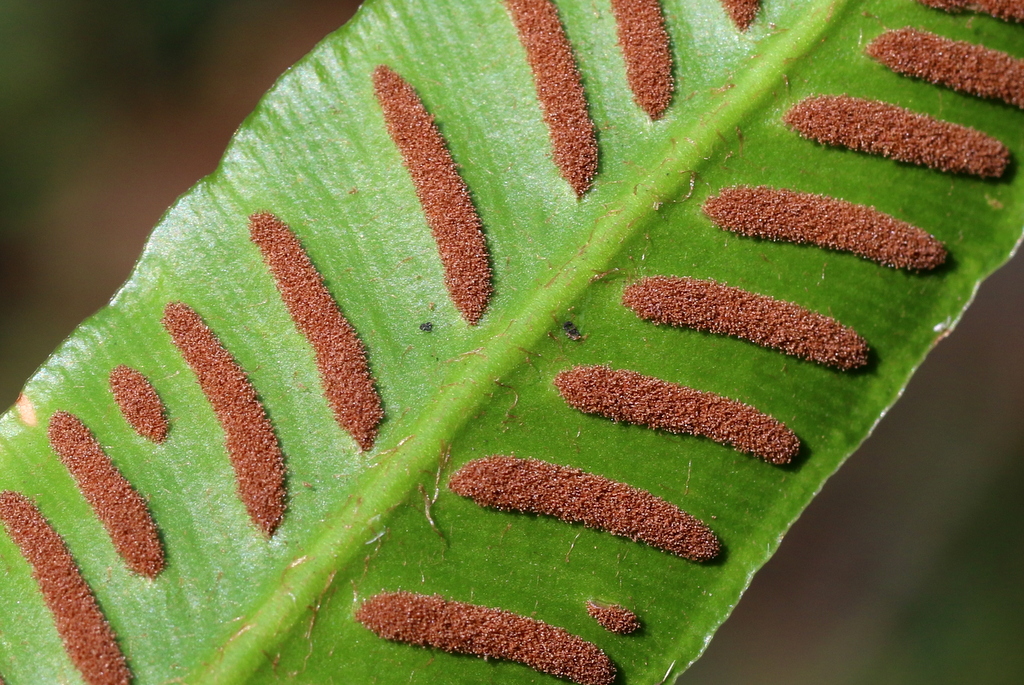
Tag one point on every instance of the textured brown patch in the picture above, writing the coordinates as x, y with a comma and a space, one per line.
122, 510
139, 403
613, 617
646, 49
959, 65
442, 193
764, 212
742, 12
251, 444
879, 128
559, 90
631, 397
86, 635
575, 496
1007, 10
340, 356
763, 320
460, 628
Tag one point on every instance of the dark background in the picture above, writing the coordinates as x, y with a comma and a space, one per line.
909, 568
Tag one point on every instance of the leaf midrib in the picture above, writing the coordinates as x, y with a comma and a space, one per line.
384, 486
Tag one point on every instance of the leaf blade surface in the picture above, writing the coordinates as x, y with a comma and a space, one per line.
232, 604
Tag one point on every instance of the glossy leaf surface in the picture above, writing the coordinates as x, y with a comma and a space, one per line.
232, 606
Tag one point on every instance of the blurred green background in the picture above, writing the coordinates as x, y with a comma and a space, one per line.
908, 568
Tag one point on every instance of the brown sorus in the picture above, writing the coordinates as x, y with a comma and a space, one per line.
742, 12
575, 496
251, 444
460, 628
443, 195
559, 89
1007, 10
630, 397
83, 629
122, 511
879, 128
716, 308
614, 617
962, 66
648, 55
139, 403
780, 214
340, 356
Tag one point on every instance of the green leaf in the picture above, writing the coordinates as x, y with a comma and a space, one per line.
233, 606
